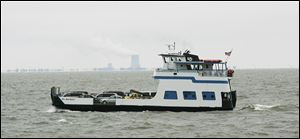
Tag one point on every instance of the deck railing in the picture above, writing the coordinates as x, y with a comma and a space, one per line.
207, 73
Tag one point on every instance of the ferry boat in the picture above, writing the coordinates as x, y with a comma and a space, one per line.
186, 83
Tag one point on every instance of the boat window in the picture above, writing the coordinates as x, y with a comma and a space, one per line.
195, 67
189, 59
170, 95
219, 66
188, 67
200, 67
189, 95
168, 59
164, 58
208, 95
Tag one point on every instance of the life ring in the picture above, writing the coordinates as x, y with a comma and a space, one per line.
230, 72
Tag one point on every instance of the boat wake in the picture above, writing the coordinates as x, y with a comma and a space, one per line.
62, 120
260, 107
53, 109
277, 107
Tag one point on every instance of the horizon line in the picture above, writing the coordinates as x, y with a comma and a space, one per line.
127, 70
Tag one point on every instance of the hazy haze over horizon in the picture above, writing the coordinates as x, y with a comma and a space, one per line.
93, 34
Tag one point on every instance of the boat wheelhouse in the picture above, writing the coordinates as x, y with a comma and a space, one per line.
186, 83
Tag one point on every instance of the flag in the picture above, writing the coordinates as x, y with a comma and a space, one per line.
228, 53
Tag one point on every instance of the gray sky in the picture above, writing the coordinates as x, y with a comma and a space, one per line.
92, 34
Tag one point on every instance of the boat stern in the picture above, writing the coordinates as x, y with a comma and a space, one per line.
228, 100
55, 93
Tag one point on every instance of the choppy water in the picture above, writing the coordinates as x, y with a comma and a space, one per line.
267, 106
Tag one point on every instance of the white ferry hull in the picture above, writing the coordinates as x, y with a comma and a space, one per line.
59, 102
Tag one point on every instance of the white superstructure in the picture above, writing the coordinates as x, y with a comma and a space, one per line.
187, 81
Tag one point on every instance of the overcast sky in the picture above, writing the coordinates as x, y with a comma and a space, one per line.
92, 34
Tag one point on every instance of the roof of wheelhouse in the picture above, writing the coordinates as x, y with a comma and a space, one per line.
185, 54
195, 58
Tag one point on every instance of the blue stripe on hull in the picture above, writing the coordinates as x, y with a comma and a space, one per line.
190, 78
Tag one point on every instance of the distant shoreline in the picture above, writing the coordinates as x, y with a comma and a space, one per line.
147, 70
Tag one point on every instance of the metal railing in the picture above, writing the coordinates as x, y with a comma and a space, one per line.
207, 73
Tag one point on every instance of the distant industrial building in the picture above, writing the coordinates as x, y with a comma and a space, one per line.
135, 64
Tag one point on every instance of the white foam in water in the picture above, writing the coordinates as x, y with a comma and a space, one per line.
66, 110
52, 109
62, 120
260, 107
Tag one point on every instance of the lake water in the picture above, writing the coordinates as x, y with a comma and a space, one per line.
267, 106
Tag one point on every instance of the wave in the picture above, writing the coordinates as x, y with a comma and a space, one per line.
52, 109
62, 120
276, 107
260, 107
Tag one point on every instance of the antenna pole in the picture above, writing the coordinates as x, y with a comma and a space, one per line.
174, 46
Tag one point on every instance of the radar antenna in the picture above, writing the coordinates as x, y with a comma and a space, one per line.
186, 51
171, 47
